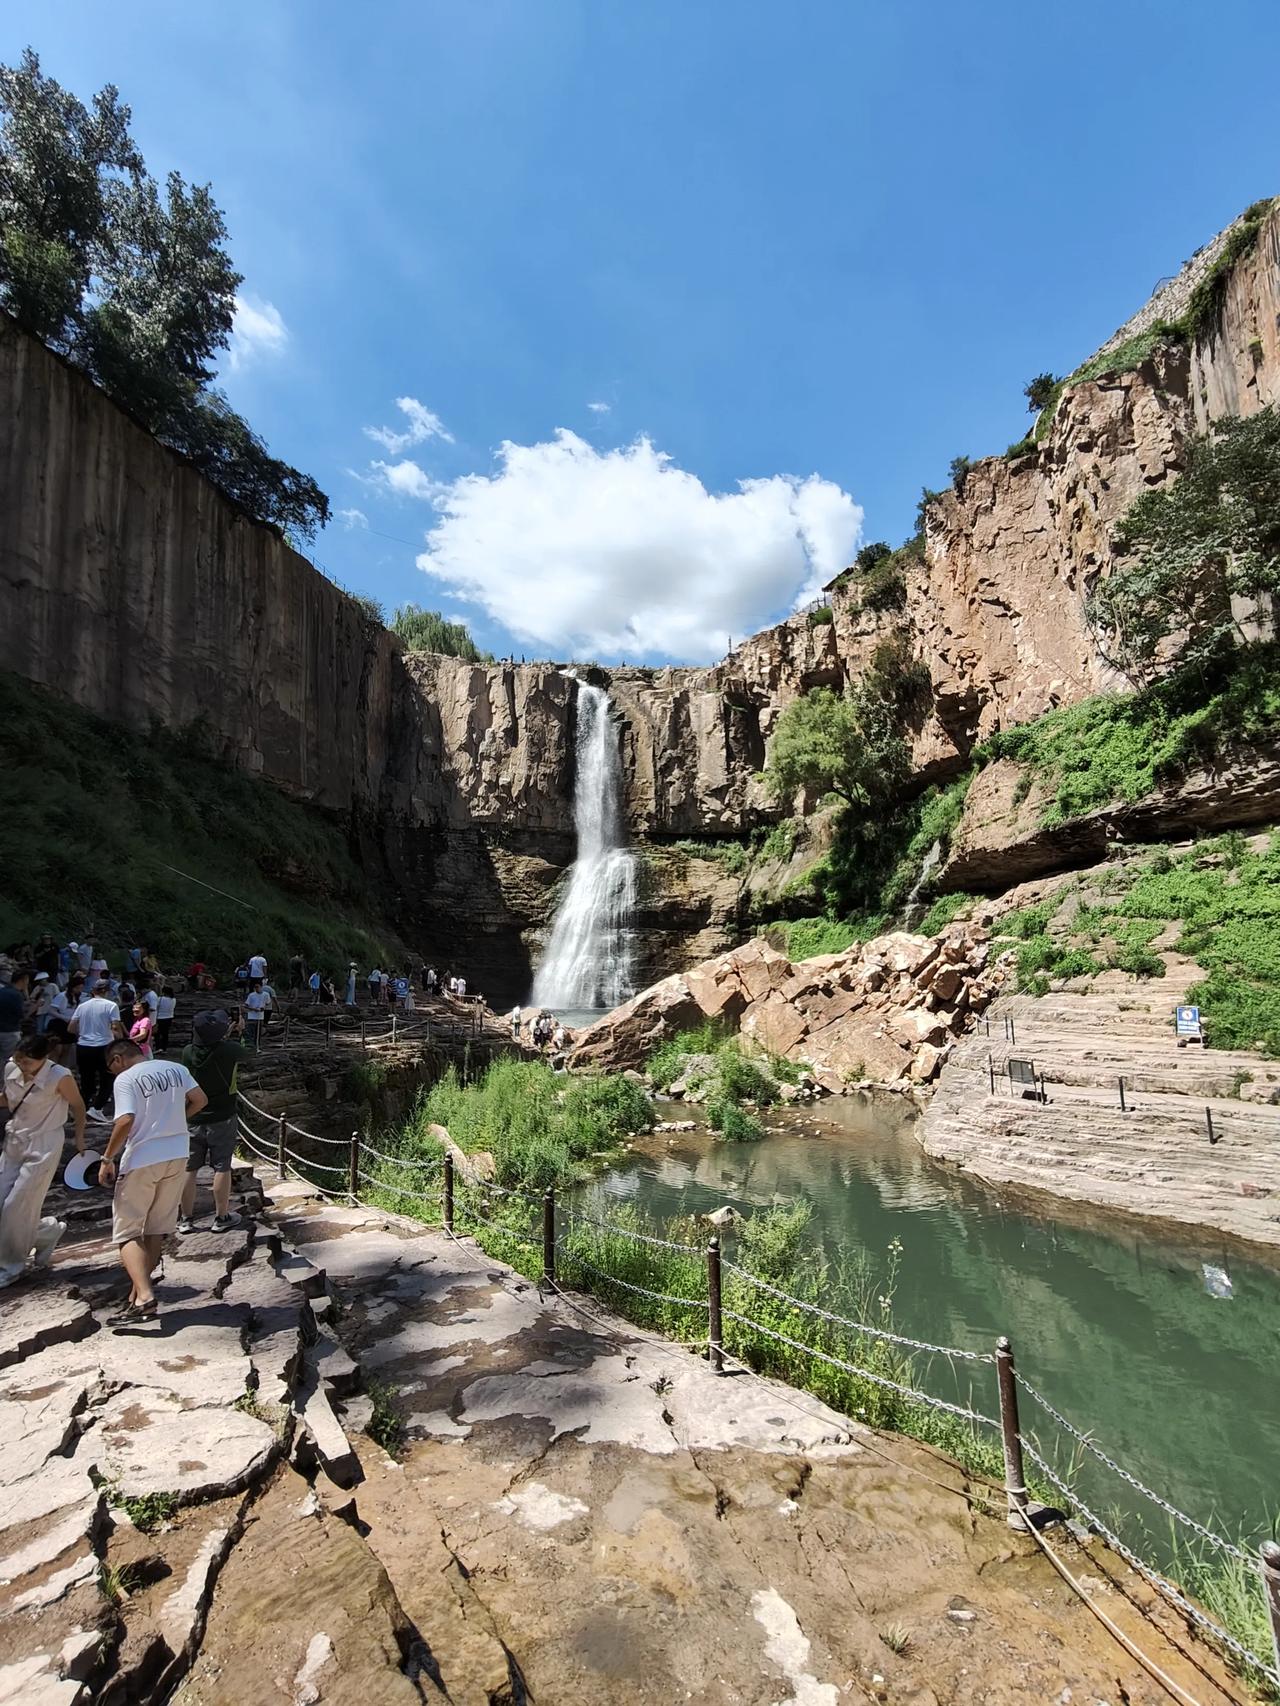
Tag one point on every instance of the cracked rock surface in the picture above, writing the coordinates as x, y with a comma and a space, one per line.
585, 1513
581, 1512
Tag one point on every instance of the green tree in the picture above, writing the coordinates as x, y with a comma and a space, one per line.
131, 282
870, 555
1204, 555
959, 469
61, 166
1041, 391
849, 745
428, 631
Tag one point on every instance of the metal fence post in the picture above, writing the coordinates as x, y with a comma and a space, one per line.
364, 1038
288, 1020
448, 1190
1208, 1120
354, 1178
1015, 1485
1270, 1554
1123, 1108
328, 1032
549, 1234
393, 1027
991, 1071
280, 1147
715, 1328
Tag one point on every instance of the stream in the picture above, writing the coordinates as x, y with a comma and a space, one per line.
1119, 1327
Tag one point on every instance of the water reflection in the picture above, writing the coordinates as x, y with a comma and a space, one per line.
1117, 1327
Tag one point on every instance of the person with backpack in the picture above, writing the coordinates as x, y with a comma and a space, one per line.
213, 1059
40, 1095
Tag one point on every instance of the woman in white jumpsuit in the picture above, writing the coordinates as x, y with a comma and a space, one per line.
40, 1095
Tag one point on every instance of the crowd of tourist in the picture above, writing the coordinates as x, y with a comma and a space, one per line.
86, 1044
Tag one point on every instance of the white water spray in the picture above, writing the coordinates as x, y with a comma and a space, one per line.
913, 902
588, 959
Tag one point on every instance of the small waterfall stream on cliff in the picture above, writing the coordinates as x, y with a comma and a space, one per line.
588, 959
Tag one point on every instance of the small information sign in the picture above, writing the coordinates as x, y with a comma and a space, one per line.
1187, 1022
1023, 1074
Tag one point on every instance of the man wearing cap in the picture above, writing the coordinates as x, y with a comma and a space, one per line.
213, 1058
154, 1100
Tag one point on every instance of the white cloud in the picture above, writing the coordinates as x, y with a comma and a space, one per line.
421, 424
404, 480
599, 408
353, 518
258, 330
620, 553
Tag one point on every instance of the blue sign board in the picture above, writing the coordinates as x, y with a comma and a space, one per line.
1187, 1021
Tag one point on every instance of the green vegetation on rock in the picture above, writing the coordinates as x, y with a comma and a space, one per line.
428, 631
99, 823
131, 282
1121, 746
1203, 554
733, 855
538, 1126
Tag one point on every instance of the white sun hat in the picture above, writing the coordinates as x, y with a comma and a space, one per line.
82, 1171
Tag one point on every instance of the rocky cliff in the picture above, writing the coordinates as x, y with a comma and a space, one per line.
137, 590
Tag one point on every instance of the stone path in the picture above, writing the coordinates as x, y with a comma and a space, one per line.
580, 1512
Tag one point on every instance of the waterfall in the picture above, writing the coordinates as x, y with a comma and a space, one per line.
588, 959
913, 904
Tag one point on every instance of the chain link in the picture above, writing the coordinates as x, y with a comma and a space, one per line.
640, 1290
366, 1148
619, 1231
1096, 1450
857, 1326
395, 1190
1157, 1581
910, 1392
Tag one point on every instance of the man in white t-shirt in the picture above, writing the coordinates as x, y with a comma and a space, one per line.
94, 1024
149, 1144
257, 966
255, 1008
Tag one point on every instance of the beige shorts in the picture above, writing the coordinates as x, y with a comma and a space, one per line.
146, 1201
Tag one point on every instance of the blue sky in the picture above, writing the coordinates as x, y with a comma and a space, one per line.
816, 248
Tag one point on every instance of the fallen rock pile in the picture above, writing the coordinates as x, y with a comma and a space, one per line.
888, 1012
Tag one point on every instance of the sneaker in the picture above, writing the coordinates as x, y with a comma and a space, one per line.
185, 1225
48, 1236
99, 1117
224, 1222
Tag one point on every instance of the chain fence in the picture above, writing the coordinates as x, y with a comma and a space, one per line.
577, 1242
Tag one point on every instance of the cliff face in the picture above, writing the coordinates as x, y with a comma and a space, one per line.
135, 589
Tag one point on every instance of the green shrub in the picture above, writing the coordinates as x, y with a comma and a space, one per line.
741, 1080
1141, 962
537, 1127
428, 631
1021, 447
733, 855
822, 617
780, 842
945, 910
733, 1122
806, 938
1028, 921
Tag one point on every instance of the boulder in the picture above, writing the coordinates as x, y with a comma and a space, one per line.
927, 1063
627, 1036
